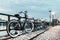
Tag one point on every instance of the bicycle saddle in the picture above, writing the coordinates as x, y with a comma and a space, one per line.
17, 15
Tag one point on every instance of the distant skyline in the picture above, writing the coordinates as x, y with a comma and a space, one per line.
35, 8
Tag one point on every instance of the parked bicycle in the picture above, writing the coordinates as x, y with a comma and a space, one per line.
38, 24
16, 27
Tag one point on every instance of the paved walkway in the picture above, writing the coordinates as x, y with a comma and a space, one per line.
28, 35
52, 34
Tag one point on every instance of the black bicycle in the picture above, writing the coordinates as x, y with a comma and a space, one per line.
38, 24
17, 27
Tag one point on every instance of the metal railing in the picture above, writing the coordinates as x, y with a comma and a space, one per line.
8, 15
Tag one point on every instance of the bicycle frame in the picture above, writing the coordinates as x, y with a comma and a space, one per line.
25, 19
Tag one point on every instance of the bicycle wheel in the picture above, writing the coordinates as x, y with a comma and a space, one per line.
29, 27
13, 28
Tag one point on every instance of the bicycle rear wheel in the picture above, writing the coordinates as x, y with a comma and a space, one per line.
13, 28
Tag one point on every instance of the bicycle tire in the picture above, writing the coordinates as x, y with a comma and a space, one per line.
8, 28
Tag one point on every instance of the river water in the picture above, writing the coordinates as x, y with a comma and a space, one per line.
2, 33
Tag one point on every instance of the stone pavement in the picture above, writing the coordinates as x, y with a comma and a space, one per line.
52, 34
27, 36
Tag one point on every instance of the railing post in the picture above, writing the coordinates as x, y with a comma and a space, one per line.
8, 21
8, 18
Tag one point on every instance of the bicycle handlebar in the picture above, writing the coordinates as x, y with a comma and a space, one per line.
25, 14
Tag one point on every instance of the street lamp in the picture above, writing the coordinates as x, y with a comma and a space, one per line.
52, 14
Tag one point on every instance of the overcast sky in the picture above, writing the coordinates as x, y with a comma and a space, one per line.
35, 8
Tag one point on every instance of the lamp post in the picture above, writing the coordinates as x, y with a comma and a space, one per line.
52, 14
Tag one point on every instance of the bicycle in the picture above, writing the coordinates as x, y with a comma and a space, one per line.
16, 27
38, 24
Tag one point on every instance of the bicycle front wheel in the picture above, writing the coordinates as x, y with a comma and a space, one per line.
13, 28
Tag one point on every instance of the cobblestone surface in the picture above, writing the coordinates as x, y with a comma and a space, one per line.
52, 34
27, 36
